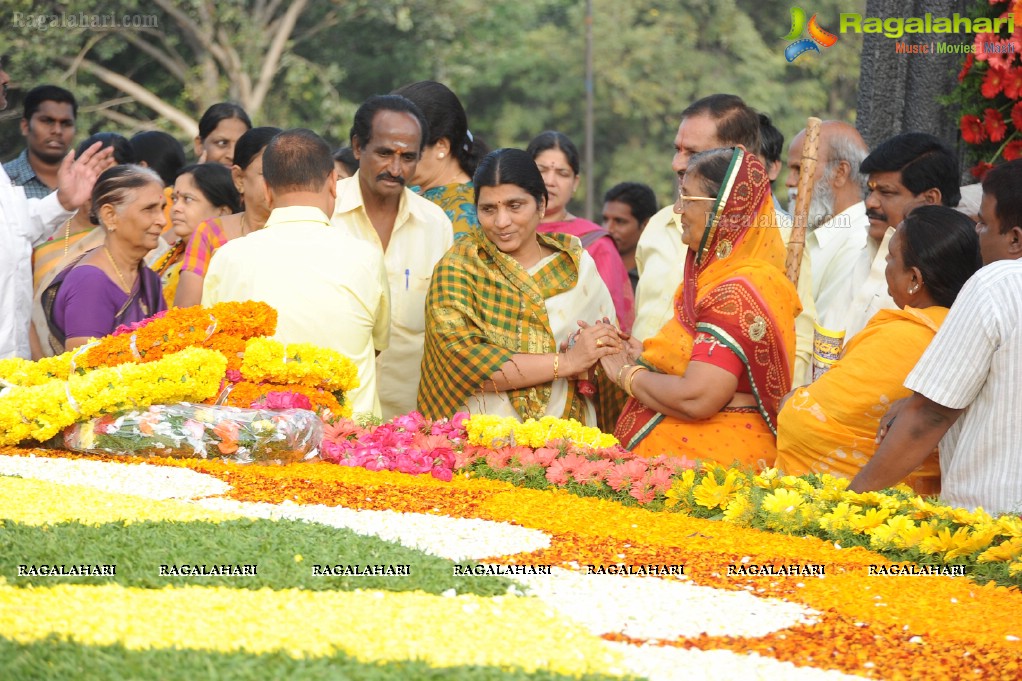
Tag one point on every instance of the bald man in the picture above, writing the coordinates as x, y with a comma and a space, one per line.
837, 214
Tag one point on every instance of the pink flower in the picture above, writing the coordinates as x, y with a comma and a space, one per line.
441, 473
194, 429
135, 326
557, 474
659, 479
412, 421
498, 458
592, 471
234, 376
641, 492
545, 456
622, 475
341, 429
280, 399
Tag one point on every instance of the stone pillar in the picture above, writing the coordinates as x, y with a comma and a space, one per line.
901, 92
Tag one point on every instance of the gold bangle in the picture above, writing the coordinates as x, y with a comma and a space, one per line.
621, 371
631, 378
557, 364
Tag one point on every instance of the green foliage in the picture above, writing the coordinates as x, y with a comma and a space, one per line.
139, 549
518, 67
53, 658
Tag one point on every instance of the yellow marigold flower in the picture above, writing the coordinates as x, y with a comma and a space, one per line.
962, 542
1003, 552
678, 494
909, 537
711, 494
864, 498
740, 509
302, 363
1010, 526
838, 518
768, 479
490, 431
888, 534
783, 501
870, 520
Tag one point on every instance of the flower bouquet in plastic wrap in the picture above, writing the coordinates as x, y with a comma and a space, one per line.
187, 430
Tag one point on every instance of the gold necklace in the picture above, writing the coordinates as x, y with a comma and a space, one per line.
124, 283
67, 234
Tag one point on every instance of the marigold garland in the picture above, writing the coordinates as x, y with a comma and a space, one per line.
26, 373
222, 327
41, 411
245, 393
298, 363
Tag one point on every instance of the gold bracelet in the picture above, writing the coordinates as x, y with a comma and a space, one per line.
631, 378
621, 371
557, 364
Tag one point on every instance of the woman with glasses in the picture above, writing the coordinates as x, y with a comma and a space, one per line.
710, 383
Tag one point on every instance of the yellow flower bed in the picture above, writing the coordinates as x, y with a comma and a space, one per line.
495, 431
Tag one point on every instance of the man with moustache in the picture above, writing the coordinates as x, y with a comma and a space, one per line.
908, 170
376, 206
710, 123
627, 207
837, 228
25, 222
48, 126
966, 395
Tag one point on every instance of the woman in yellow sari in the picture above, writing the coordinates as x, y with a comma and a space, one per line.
708, 386
830, 425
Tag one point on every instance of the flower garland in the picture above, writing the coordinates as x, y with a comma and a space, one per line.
223, 327
990, 91
489, 431
299, 364
41, 411
246, 394
15, 371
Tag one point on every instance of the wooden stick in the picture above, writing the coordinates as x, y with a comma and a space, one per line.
806, 173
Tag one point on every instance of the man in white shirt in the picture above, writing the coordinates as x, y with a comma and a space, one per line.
908, 170
409, 232
25, 222
328, 289
966, 384
837, 228
710, 123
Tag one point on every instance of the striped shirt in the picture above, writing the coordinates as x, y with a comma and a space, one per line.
975, 363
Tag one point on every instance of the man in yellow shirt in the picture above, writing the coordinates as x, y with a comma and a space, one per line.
328, 289
409, 232
709, 123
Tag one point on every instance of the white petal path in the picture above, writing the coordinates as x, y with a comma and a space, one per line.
456, 539
654, 608
640, 607
141, 480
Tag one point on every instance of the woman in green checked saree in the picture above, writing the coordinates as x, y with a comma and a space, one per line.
504, 299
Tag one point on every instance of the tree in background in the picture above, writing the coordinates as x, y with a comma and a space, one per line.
517, 66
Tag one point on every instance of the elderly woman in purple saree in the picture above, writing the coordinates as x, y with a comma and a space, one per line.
110, 285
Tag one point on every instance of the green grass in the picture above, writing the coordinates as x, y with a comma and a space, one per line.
59, 659
139, 549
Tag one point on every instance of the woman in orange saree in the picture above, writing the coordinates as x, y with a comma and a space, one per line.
709, 384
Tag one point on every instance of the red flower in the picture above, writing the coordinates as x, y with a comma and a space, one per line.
980, 169
1016, 115
973, 131
1013, 83
966, 67
993, 83
994, 122
1012, 151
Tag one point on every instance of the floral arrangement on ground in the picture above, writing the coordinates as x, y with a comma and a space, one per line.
391, 575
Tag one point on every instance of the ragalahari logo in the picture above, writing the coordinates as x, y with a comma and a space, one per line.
817, 36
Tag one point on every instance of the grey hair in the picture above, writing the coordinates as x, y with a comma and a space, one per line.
116, 185
847, 148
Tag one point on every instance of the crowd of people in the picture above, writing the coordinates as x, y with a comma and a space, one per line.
457, 278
